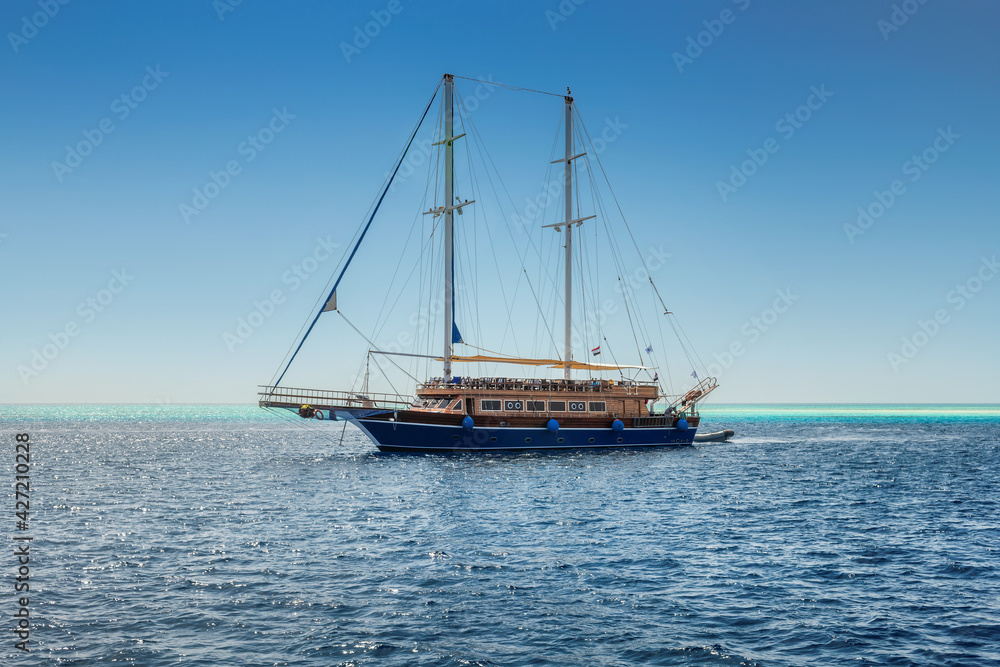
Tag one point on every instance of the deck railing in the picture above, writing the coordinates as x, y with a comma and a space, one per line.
290, 396
530, 384
689, 401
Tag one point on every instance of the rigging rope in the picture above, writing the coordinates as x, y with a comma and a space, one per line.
385, 191
373, 346
504, 85
673, 324
582, 287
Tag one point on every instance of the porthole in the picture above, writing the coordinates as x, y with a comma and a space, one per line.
560, 439
592, 440
621, 440
527, 439
493, 439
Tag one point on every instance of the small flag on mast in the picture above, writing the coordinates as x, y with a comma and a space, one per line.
596, 351
656, 377
649, 349
694, 374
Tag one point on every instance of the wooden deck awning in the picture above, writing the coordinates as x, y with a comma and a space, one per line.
551, 363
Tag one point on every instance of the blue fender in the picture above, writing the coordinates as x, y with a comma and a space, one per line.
682, 425
553, 425
467, 423
617, 426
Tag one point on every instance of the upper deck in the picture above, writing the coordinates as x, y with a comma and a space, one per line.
625, 388
511, 397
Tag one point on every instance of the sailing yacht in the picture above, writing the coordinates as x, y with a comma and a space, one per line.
452, 411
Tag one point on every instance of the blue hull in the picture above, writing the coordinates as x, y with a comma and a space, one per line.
404, 437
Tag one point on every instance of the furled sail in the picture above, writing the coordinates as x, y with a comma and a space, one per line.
331, 303
517, 361
551, 363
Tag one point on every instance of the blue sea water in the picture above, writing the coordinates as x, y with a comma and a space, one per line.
224, 535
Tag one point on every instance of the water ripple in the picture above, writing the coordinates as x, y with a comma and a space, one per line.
215, 536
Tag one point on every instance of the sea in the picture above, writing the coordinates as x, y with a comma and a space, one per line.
230, 535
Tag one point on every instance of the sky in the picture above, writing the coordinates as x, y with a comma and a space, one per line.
820, 176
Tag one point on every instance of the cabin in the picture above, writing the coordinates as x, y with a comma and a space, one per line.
502, 397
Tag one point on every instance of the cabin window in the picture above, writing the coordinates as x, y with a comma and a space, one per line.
443, 403
598, 406
536, 406
557, 406
458, 406
490, 405
577, 406
513, 405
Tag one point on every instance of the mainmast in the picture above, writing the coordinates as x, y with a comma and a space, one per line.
568, 186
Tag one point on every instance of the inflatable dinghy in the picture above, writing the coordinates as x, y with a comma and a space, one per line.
718, 436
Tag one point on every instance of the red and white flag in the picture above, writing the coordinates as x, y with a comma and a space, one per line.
596, 351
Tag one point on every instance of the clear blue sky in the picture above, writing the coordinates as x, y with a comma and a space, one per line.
198, 79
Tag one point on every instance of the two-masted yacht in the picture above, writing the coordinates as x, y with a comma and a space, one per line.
455, 412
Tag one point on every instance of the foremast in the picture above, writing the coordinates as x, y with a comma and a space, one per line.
449, 221
451, 204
